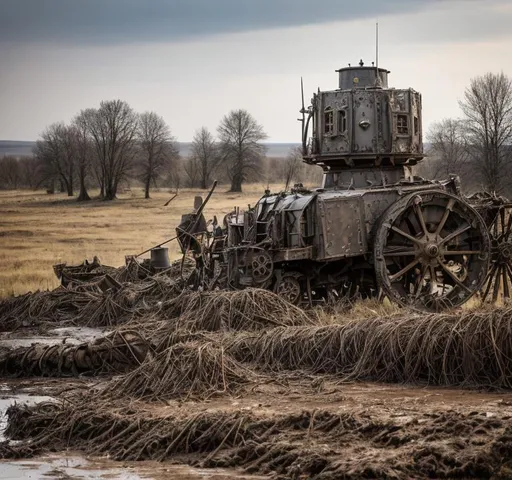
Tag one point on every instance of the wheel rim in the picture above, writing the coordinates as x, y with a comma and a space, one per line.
431, 251
499, 277
289, 288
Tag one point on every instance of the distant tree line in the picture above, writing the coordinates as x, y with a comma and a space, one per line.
112, 146
477, 146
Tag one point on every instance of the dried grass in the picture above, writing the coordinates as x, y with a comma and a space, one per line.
184, 370
39, 230
221, 310
83, 304
468, 348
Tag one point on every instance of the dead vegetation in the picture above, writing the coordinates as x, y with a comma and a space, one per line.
467, 348
86, 304
317, 444
185, 370
239, 310
261, 330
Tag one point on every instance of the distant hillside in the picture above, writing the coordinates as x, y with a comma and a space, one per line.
16, 148
20, 148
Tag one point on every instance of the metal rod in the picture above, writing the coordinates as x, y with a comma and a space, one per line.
377, 48
170, 200
201, 208
198, 214
156, 246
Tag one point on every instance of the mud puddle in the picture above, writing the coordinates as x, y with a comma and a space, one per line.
7, 398
67, 467
77, 467
69, 335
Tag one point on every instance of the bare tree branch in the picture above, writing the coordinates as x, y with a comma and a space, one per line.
487, 107
157, 148
239, 136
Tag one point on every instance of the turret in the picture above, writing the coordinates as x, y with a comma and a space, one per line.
364, 124
362, 77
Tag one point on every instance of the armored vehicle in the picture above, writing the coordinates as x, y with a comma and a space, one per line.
373, 227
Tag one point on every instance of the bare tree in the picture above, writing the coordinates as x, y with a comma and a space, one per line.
84, 150
449, 148
113, 130
191, 168
157, 146
56, 150
239, 136
10, 172
174, 176
206, 155
30, 172
487, 106
291, 166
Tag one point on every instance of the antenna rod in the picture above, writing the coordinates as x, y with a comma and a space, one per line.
303, 119
377, 46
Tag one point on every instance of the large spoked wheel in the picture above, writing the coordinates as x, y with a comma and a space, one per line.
499, 279
431, 251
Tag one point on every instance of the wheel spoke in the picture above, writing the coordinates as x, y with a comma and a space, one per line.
496, 285
506, 291
406, 235
509, 226
454, 277
509, 273
488, 280
421, 219
404, 270
458, 232
399, 253
446, 213
462, 252
502, 216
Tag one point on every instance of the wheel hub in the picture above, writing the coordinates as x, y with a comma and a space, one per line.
505, 250
432, 250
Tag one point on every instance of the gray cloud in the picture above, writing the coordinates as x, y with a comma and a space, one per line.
124, 21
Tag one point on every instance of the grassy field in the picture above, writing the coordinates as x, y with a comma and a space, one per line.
39, 230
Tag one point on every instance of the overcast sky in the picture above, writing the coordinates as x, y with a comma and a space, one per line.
192, 61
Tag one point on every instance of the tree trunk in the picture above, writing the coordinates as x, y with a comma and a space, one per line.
62, 186
236, 183
146, 187
110, 193
83, 196
70, 182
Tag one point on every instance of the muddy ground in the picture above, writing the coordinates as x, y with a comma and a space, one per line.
342, 430
281, 422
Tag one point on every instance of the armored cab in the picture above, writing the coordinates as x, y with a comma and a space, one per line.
364, 123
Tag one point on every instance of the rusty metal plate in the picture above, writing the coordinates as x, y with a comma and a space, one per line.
344, 234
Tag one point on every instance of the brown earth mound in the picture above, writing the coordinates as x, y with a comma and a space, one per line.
317, 444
